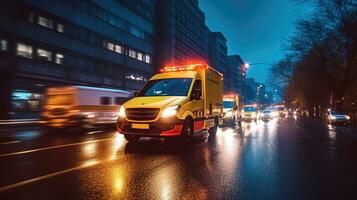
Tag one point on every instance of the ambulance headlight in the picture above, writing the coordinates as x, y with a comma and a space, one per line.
121, 112
228, 114
170, 111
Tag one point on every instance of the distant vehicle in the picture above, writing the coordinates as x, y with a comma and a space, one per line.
181, 101
283, 112
81, 106
334, 117
231, 109
250, 113
268, 115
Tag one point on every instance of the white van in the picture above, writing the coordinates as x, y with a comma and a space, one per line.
81, 106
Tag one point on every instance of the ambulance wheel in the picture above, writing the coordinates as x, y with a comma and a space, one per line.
131, 138
234, 122
187, 130
213, 130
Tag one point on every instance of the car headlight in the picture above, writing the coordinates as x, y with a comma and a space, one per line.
170, 111
348, 117
88, 115
333, 117
121, 111
228, 114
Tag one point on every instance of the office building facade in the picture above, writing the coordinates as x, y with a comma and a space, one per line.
181, 34
235, 66
72, 42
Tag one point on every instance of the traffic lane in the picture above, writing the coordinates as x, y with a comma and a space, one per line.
33, 139
24, 165
168, 168
336, 137
265, 160
326, 166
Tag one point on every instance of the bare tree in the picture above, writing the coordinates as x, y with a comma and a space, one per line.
324, 45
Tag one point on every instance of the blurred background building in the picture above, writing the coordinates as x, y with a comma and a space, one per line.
181, 34
110, 44
236, 71
257, 93
65, 42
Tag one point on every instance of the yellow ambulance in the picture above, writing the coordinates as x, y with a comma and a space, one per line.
185, 100
231, 114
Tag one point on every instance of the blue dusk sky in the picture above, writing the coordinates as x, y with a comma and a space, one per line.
255, 29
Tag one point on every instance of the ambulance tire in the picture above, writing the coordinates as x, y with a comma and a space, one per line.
131, 138
213, 130
187, 130
234, 122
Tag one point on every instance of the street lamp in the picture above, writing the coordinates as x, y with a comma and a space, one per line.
247, 65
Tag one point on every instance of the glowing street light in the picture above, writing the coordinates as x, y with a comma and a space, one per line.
246, 65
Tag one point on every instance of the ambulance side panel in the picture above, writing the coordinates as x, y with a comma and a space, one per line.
213, 87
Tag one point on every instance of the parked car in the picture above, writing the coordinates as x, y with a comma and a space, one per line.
334, 117
268, 115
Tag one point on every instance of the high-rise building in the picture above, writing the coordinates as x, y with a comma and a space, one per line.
218, 52
251, 91
218, 57
66, 42
109, 44
181, 34
235, 66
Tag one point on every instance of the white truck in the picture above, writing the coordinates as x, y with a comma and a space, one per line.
81, 106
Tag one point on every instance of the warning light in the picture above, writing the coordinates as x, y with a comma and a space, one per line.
230, 96
191, 67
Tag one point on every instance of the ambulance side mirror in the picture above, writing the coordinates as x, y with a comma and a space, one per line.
196, 95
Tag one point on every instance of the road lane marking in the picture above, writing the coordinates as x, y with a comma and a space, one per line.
93, 132
18, 122
54, 147
29, 181
10, 142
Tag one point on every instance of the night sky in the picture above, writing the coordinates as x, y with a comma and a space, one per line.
255, 29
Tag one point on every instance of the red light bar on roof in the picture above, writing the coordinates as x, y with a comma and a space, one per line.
230, 95
191, 67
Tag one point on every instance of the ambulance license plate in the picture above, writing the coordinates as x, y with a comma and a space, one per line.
140, 126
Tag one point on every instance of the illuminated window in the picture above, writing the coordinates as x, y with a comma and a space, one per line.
24, 50
139, 56
105, 100
132, 53
44, 54
147, 59
42, 21
118, 49
135, 78
60, 28
24, 100
110, 46
59, 58
3, 45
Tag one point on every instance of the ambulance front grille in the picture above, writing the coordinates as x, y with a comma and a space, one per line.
142, 114
58, 111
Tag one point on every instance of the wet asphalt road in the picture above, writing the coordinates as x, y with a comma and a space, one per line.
281, 159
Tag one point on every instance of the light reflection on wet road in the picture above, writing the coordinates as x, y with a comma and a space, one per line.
280, 159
